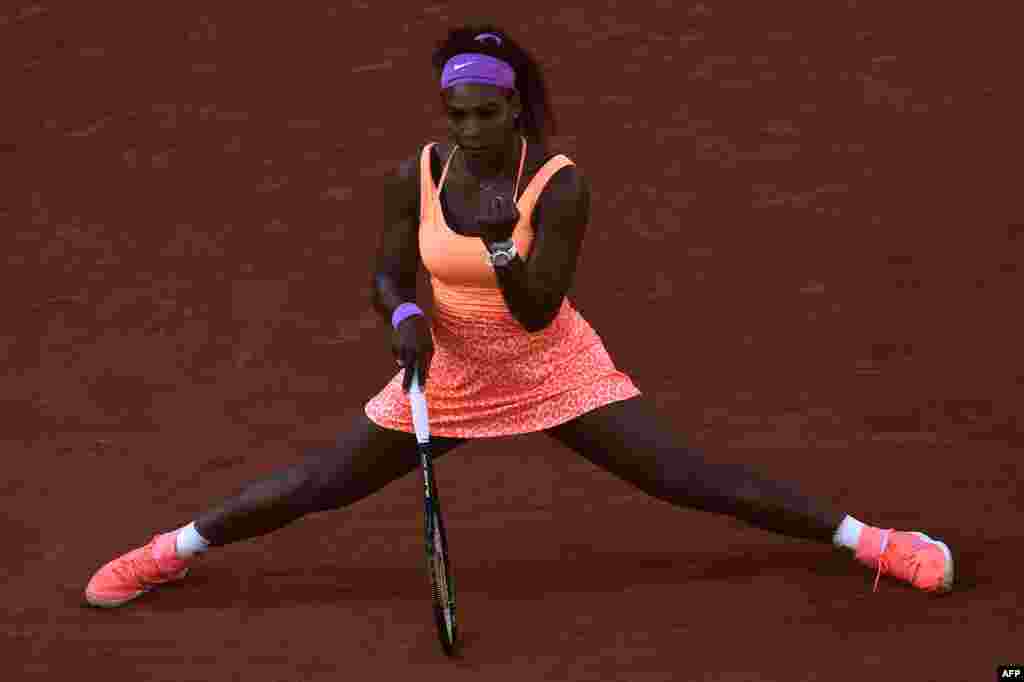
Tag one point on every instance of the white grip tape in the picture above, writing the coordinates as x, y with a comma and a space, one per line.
419, 409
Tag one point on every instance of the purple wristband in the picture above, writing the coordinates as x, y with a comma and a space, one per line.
403, 311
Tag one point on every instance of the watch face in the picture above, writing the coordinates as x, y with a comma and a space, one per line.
501, 255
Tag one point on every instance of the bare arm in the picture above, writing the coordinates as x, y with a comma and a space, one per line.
534, 289
398, 255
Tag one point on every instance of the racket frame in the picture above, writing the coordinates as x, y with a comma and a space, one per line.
438, 566
436, 539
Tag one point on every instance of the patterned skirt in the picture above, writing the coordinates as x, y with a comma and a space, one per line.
489, 377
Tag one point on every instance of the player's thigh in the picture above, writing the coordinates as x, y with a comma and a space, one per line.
628, 438
365, 458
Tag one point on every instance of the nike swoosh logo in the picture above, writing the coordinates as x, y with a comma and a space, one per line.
459, 66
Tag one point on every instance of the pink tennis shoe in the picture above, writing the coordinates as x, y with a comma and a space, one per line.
925, 563
136, 572
914, 557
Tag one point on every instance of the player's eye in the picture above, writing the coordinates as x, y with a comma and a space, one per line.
483, 114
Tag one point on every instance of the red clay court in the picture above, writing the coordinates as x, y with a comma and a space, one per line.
802, 247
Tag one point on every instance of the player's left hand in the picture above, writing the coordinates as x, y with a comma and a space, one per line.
498, 217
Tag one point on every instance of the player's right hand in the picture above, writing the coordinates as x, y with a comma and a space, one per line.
413, 347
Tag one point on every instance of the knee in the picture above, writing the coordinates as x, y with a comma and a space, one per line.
319, 480
688, 469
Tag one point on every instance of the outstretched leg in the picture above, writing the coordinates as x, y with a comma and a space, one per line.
629, 439
632, 441
364, 460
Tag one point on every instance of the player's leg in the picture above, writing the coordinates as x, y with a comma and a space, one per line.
365, 458
631, 440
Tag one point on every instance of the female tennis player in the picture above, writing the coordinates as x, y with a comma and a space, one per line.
497, 221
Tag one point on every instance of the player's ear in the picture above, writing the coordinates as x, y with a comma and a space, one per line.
515, 103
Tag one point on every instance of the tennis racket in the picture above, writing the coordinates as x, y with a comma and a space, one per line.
437, 540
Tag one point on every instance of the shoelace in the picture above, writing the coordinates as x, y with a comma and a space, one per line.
142, 563
133, 566
883, 564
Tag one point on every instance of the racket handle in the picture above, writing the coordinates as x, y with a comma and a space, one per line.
418, 401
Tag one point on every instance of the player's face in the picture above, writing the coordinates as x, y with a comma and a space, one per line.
480, 118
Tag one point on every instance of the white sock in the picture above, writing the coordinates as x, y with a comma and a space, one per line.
848, 533
190, 542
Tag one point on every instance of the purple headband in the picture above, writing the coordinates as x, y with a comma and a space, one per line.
472, 67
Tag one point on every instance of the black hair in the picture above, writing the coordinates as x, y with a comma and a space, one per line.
537, 120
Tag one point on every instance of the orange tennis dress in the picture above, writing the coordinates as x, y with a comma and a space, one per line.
490, 377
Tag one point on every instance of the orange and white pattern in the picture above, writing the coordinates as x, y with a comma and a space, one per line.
490, 377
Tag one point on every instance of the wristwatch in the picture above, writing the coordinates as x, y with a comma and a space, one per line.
501, 254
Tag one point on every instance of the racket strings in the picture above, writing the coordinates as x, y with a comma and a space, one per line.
442, 593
